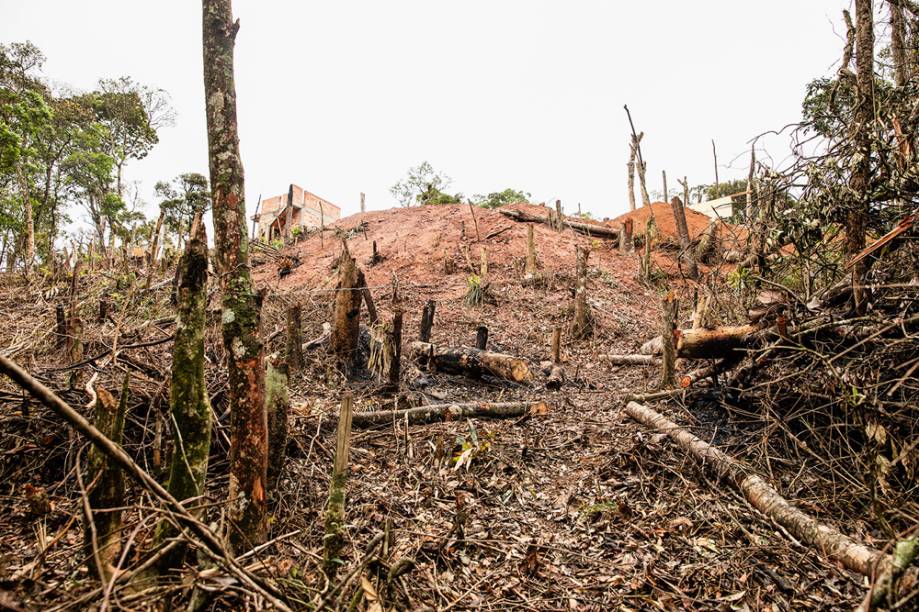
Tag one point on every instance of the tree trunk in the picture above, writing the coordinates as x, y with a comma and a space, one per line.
30, 220
679, 216
294, 340
581, 326
669, 310
245, 353
626, 243
105, 483
898, 43
713, 343
632, 359
395, 366
556, 345
154, 247
436, 413
481, 337
289, 220
277, 403
763, 497
857, 217
188, 398
427, 321
471, 362
335, 514
530, 271
630, 171
372, 316
347, 318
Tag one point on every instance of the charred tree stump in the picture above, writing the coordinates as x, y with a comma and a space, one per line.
437, 413
471, 362
294, 340
481, 337
427, 321
669, 310
277, 404
679, 216
556, 346
188, 399
347, 317
335, 512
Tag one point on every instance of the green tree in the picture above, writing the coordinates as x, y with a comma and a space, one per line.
424, 185
498, 199
181, 198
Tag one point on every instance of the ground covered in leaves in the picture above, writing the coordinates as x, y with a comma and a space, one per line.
578, 509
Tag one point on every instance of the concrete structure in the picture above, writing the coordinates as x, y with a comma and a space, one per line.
720, 208
278, 215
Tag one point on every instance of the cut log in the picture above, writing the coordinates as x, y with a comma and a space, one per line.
590, 229
556, 378
654, 346
632, 359
436, 413
470, 361
713, 343
830, 542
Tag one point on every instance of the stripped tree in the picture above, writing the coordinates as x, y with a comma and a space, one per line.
240, 317
188, 399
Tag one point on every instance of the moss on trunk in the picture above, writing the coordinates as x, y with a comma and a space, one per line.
189, 405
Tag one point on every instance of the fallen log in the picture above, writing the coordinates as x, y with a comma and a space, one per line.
632, 359
654, 346
694, 376
589, 229
830, 542
470, 361
556, 378
436, 413
710, 343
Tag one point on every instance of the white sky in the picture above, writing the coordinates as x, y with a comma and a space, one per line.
343, 96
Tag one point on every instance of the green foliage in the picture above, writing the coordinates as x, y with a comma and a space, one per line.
501, 198
424, 185
182, 197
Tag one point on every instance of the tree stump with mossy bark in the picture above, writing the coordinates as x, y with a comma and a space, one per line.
335, 512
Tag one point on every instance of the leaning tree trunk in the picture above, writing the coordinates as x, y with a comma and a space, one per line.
857, 217
245, 353
679, 217
188, 398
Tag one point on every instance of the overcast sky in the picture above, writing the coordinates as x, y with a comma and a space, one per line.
343, 96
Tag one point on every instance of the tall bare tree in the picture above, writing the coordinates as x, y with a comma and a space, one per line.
898, 43
245, 353
864, 113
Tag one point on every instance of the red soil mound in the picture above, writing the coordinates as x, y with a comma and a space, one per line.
663, 217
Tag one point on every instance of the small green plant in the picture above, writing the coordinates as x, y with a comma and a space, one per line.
739, 279
477, 291
277, 243
296, 231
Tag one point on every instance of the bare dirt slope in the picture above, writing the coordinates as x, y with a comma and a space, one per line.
580, 509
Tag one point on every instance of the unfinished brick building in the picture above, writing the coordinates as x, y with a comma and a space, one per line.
277, 216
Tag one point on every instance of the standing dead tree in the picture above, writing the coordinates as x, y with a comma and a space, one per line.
335, 513
581, 324
669, 308
861, 127
679, 217
630, 170
347, 317
240, 318
105, 482
190, 408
